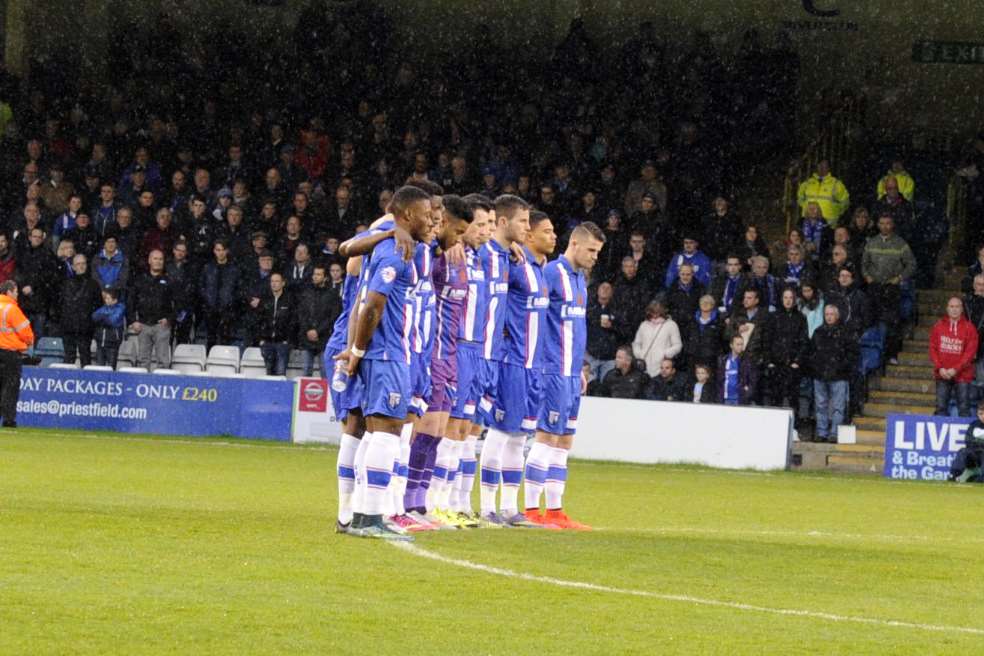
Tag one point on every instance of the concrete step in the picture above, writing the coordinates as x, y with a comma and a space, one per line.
902, 398
870, 424
921, 333
885, 409
919, 372
871, 437
915, 346
903, 385
856, 464
915, 359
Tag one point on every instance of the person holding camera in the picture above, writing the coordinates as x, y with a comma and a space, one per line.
16, 337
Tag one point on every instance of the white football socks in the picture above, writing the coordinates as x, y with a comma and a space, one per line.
466, 477
491, 462
346, 476
537, 464
512, 474
382, 451
557, 479
359, 493
398, 487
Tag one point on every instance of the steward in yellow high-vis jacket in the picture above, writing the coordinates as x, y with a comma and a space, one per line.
827, 191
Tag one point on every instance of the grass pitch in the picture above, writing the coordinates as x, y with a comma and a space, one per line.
122, 545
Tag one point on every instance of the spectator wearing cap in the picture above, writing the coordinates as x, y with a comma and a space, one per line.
90, 189
109, 327
132, 186
151, 171
78, 298
616, 247
953, 345
722, 230
223, 201
650, 221
66, 220
55, 193
648, 182
256, 282
887, 263
84, 236
690, 255
110, 268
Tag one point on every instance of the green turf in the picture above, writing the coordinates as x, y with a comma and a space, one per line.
115, 545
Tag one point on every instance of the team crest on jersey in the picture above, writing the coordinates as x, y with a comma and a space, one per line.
394, 399
552, 417
388, 274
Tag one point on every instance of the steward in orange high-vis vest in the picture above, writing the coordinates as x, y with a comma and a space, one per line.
16, 337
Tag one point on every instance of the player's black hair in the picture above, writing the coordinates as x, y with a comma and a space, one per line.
478, 202
432, 188
406, 196
458, 208
507, 205
536, 218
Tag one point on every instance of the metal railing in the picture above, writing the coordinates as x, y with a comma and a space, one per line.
835, 143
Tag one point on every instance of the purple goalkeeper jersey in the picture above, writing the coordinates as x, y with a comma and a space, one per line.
450, 290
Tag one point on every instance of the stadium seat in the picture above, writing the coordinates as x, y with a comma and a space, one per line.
97, 367
223, 360
265, 377
167, 372
252, 364
295, 365
47, 362
132, 370
188, 358
50, 347
127, 356
64, 365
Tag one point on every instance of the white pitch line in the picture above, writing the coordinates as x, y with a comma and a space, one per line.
679, 598
809, 534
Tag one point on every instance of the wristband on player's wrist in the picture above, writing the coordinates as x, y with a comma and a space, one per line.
357, 352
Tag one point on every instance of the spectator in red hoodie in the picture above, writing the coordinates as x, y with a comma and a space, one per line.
952, 348
7, 265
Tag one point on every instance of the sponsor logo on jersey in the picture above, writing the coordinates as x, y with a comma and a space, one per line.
394, 399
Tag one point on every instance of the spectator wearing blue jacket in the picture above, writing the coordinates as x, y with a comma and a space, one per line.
110, 324
109, 267
67, 220
690, 255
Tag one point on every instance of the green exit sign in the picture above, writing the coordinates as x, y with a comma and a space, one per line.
947, 52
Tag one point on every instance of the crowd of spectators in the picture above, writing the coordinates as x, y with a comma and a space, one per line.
175, 205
